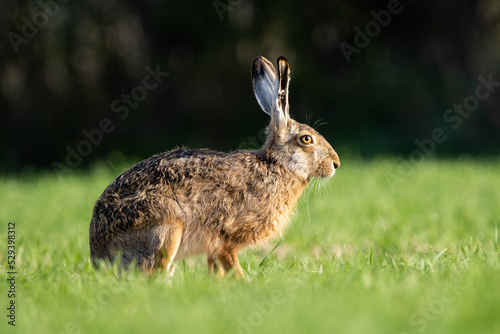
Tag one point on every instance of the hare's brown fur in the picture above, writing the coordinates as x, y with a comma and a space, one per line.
206, 200
187, 202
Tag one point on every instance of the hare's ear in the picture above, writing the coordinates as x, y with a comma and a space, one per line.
265, 84
284, 80
272, 99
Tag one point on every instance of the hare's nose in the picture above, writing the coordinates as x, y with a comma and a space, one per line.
335, 158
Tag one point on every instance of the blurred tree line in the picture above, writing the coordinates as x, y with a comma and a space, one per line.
82, 81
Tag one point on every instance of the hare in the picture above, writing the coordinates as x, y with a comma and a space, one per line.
187, 202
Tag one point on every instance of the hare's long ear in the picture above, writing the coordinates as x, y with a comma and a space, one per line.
266, 87
265, 84
284, 80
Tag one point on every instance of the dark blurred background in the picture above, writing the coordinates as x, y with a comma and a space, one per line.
67, 67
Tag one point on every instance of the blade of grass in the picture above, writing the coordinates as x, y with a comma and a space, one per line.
264, 260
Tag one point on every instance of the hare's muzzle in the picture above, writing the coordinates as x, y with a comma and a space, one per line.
334, 157
335, 160
335, 163
328, 165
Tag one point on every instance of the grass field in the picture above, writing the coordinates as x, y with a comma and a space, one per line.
366, 253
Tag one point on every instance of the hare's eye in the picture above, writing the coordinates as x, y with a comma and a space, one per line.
306, 139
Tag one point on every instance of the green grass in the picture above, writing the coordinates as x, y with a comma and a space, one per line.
364, 254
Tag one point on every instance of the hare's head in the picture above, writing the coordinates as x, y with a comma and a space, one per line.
296, 146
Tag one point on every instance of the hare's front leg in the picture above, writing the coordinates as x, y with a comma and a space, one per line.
212, 266
228, 259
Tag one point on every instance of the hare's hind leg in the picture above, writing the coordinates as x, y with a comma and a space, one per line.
172, 236
151, 247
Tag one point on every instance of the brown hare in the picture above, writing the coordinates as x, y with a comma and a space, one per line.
187, 202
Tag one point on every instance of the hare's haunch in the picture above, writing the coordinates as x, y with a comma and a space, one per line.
186, 202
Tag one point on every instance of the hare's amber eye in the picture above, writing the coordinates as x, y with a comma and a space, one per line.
306, 139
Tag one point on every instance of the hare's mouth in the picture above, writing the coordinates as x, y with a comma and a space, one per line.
326, 169
330, 174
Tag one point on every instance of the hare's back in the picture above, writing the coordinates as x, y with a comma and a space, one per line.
143, 192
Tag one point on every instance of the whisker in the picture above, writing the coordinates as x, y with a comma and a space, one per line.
323, 123
307, 200
316, 187
339, 149
324, 187
318, 194
317, 121
320, 189
308, 119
